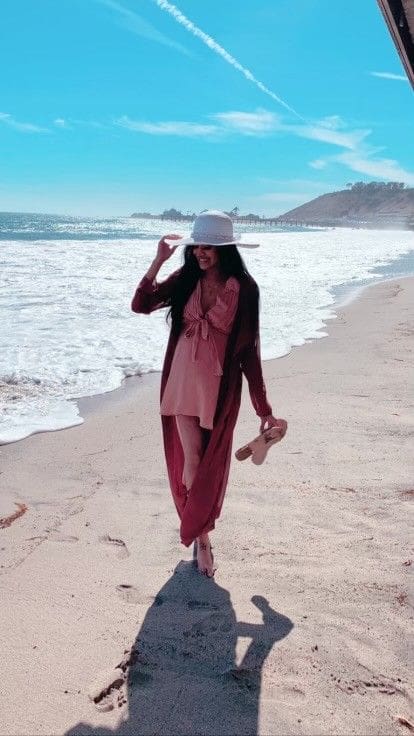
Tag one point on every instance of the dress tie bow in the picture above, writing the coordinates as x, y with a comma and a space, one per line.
200, 329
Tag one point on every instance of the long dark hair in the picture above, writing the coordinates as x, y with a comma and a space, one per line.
230, 263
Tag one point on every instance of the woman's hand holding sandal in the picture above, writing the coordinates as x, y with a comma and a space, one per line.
269, 435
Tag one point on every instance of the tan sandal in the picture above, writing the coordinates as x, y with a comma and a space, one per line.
258, 448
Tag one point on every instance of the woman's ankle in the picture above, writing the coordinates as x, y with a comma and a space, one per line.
203, 541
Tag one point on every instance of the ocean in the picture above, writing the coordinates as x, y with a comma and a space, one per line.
66, 284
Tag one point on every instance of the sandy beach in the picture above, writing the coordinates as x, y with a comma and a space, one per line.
107, 628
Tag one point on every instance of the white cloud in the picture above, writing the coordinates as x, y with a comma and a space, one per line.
249, 123
332, 122
356, 154
258, 123
75, 122
330, 130
9, 120
214, 46
364, 161
320, 132
390, 75
380, 168
134, 23
180, 128
318, 163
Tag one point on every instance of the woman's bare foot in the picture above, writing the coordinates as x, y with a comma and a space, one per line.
205, 560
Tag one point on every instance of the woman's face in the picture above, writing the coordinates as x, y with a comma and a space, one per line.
206, 256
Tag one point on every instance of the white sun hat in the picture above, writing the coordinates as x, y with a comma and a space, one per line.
212, 227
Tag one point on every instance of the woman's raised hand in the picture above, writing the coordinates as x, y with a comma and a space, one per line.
165, 251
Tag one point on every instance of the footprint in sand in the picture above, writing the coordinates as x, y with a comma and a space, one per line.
373, 684
108, 689
63, 538
119, 544
211, 624
130, 594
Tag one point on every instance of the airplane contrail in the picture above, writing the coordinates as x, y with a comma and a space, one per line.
214, 46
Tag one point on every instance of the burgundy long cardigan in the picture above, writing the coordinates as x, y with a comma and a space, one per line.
199, 508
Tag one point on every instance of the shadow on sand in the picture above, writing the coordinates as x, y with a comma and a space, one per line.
182, 676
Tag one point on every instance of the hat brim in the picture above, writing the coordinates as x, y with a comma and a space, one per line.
190, 241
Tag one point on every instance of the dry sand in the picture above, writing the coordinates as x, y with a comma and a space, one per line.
306, 629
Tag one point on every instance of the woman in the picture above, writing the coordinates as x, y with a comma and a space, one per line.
214, 310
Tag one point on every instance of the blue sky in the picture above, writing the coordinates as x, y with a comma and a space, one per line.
113, 106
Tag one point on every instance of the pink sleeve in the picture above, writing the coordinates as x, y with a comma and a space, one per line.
251, 363
150, 295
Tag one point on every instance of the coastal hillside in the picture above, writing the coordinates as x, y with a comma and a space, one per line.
375, 204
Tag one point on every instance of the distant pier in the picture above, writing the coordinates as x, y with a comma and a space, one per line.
278, 221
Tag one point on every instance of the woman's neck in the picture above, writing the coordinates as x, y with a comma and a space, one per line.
213, 275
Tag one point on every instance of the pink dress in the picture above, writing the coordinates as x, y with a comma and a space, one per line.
194, 380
